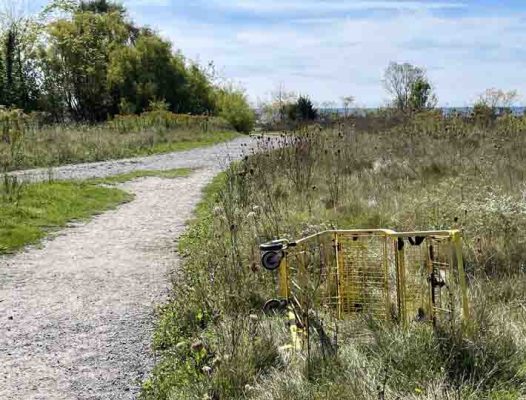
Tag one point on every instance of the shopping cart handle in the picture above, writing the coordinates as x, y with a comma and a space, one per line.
275, 245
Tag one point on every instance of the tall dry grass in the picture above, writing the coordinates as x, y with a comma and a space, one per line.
26, 142
428, 172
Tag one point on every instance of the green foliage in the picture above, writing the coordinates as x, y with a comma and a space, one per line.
18, 77
305, 109
233, 107
146, 72
100, 6
409, 87
77, 58
421, 97
87, 61
301, 111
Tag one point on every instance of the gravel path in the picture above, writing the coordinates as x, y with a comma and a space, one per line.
211, 157
77, 314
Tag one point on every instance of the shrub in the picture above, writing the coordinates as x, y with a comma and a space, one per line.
233, 107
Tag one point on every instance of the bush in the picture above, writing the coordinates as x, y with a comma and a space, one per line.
233, 107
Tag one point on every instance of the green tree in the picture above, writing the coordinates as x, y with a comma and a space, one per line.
150, 70
302, 110
200, 97
306, 110
85, 60
18, 82
77, 58
422, 96
408, 86
147, 71
101, 7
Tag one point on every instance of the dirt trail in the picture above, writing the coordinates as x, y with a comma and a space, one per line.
77, 314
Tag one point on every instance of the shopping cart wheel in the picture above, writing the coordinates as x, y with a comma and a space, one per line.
275, 306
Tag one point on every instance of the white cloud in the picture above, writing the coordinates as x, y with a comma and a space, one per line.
330, 58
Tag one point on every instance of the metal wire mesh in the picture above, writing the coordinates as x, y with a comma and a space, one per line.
377, 273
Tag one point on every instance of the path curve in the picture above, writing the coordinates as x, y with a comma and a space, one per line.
77, 314
203, 157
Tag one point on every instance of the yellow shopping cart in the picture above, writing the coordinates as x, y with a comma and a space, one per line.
382, 274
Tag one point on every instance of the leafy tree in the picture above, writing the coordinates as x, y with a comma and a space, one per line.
101, 6
146, 71
200, 91
149, 70
306, 110
77, 59
18, 76
2, 80
85, 60
421, 97
409, 87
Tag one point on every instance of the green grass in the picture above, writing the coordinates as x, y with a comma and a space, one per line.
40, 208
167, 174
209, 140
46, 207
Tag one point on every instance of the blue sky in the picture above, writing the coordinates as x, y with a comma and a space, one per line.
334, 48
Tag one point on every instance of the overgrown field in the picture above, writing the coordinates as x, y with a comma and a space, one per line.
426, 173
26, 143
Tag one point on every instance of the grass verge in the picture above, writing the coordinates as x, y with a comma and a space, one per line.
167, 174
28, 212
44, 207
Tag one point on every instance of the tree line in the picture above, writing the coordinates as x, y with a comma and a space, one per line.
410, 92
88, 61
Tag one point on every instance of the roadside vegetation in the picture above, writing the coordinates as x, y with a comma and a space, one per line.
404, 171
28, 144
31, 211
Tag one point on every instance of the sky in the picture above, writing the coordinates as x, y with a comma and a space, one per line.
328, 49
